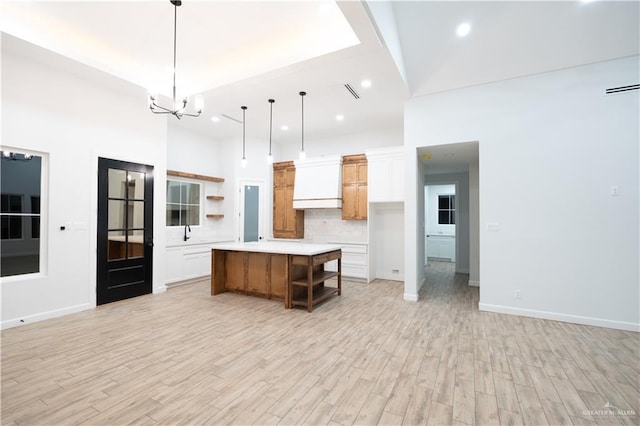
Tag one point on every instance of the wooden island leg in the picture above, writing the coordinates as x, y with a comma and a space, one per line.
310, 284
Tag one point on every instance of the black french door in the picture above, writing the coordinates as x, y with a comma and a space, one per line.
125, 230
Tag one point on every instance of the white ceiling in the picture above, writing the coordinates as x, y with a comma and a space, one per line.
245, 52
509, 39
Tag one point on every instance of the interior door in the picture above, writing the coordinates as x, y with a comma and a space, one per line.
251, 211
125, 230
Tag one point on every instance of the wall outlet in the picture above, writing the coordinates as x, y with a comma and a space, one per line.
615, 190
517, 294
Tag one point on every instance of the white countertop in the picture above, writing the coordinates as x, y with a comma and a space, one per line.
278, 247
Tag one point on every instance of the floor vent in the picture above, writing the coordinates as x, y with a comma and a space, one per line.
352, 91
622, 89
231, 118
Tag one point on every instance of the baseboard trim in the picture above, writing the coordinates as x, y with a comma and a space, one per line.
555, 316
188, 281
473, 283
45, 315
410, 297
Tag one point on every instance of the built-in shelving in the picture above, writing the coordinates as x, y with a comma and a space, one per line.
215, 197
215, 216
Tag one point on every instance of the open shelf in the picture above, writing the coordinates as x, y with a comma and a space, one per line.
318, 277
215, 197
194, 176
215, 216
320, 294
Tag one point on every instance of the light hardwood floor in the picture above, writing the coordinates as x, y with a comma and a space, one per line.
366, 357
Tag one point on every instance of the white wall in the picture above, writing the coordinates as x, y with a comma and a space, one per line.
344, 145
550, 148
192, 152
74, 114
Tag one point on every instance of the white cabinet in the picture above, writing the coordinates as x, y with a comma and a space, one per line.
188, 262
354, 260
386, 174
441, 247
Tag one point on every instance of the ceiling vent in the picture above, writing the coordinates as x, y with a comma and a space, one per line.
232, 119
352, 91
622, 89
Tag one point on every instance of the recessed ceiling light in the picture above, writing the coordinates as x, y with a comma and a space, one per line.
365, 83
463, 29
324, 8
215, 119
284, 127
339, 117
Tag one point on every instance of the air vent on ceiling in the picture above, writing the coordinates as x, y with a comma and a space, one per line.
352, 91
232, 119
622, 89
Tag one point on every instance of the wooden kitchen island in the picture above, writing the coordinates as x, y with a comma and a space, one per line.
288, 271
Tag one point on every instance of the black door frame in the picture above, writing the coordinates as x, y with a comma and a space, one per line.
107, 292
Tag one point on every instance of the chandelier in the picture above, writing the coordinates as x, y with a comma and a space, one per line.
179, 107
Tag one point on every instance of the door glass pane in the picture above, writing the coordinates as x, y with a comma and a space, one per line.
191, 215
117, 214
136, 185
116, 248
135, 248
136, 214
117, 183
173, 192
173, 214
251, 197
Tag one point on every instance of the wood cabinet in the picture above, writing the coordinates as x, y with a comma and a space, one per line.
354, 187
287, 222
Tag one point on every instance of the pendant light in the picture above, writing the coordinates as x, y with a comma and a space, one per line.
303, 155
244, 145
178, 107
270, 157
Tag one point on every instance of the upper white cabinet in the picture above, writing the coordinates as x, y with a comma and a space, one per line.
386, 174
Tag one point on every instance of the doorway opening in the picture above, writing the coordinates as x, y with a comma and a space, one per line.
440, 222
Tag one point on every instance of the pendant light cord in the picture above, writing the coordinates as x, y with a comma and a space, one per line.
271, 101
302, 94
175, 31
244, 110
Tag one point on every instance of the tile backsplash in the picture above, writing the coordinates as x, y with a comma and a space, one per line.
324, 225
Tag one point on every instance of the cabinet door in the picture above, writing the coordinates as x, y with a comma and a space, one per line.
397, 179
350, 201
289, 212
378, 180
362, 171
174, 265
279, 209
362, 201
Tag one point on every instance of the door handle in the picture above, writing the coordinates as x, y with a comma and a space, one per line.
150, 244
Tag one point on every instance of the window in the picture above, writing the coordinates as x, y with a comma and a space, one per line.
446, 209
11, 216
183, 203
21, 177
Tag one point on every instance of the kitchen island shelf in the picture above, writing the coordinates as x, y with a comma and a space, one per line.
320, 294
318, 277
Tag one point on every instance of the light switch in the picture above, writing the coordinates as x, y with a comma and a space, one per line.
615, 190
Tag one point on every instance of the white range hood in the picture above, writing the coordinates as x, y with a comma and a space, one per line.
318, 183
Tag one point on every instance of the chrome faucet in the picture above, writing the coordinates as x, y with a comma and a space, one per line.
185, 232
